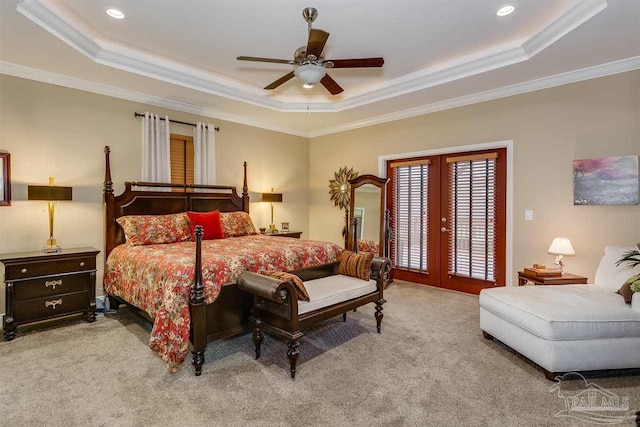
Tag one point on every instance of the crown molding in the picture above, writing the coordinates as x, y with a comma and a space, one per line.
142, 98
602, 70
118, 56
58, 25
562, 26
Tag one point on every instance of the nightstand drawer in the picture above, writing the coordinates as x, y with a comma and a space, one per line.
42, 308
44, 268
50, 286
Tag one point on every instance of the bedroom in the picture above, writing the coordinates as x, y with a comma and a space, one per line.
50, 129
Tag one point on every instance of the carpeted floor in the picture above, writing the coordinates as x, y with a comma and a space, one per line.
429, 367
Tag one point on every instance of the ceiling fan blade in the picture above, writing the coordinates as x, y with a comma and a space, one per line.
356, 63
281, 80
253, 58
317, 40
331, 85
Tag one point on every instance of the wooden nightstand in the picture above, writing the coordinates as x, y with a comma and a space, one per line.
565, 279
43, 286
294, 234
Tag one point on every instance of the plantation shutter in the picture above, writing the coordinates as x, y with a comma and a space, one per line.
181, 154
472, 215
410, 245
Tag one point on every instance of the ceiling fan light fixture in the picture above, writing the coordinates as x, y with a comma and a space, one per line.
310, 74
115, 13
308, 85
505, 10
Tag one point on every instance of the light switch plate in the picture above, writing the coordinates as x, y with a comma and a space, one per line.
528, 215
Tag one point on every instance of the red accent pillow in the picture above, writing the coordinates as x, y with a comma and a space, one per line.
210, 222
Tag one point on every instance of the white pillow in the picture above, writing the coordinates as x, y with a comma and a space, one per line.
610, 275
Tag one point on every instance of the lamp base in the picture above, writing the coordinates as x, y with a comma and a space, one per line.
51, 247
272, 228
558, 264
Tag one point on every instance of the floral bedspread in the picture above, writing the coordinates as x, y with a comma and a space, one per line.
158, 278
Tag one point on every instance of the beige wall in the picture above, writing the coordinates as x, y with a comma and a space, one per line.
549, 129
60, 132
54, 131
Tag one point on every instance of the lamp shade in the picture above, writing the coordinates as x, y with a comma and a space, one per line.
48, 192
271, 197
561, 246
310, 73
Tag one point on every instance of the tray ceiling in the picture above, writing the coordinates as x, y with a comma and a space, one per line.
438, 54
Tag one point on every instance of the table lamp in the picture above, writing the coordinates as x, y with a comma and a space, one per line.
49, 193
272, 198
560, 246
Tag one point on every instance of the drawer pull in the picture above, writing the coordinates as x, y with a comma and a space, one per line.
24, 270
53, 283
82, 264
53, 303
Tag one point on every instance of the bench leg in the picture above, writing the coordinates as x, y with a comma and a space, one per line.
292, 354
344, 316
379, 314
257, 338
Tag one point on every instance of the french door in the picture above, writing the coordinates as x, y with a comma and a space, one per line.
448, 217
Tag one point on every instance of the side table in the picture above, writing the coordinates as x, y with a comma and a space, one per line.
41, 286
565, 279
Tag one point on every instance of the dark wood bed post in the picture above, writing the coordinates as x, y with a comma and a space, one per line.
108, 199
198, 309
245, 191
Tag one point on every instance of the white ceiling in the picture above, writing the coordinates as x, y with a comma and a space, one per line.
438, 53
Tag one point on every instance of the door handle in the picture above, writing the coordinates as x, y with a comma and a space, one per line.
444, 229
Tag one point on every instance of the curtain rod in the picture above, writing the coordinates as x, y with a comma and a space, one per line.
217, 129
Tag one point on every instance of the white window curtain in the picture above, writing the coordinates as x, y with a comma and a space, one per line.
204, 154
156, 161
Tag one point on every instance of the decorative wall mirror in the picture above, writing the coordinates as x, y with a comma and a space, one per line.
5, 179
368, 225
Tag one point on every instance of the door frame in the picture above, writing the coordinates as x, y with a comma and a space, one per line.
508, 144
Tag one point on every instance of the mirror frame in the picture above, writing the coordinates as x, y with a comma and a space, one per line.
6, 179
382, 184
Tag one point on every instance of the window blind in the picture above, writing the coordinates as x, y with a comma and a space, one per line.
410, 246
182, 166
472, 213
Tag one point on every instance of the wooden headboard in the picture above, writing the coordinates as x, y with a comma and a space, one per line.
135, 200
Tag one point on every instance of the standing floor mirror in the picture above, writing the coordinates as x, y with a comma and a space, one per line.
367, 210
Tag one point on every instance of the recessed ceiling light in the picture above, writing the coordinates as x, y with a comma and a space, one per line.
115, 13
505, 10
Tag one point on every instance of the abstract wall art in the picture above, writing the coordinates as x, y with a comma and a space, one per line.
606, 181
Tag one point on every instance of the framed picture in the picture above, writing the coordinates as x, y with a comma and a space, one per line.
5, 179
285, 227
606, 181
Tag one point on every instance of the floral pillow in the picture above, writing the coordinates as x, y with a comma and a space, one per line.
155, 229
236, 224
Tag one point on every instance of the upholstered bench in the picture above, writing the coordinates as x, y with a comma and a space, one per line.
278, 310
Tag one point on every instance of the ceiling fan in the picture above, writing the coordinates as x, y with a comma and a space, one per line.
310, 62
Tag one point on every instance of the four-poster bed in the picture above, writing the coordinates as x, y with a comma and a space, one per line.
213, 306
